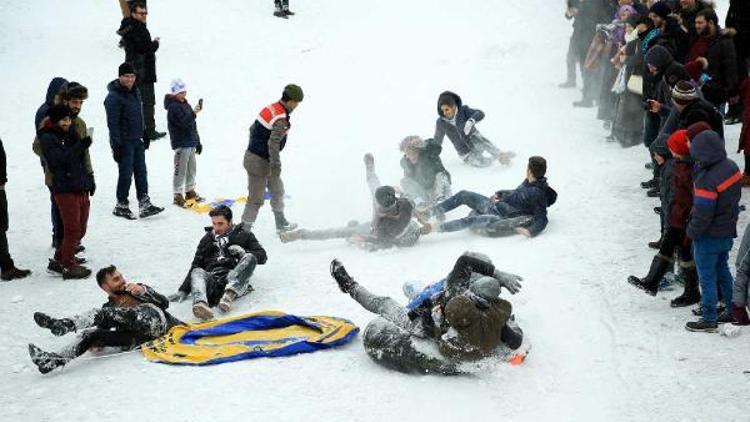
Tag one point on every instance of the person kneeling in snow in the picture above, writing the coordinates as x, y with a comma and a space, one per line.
223, 264
134, 314
467, 321
425, 181
506, 207
457, 121
394, 223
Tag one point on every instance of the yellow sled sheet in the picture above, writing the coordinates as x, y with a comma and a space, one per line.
248, 336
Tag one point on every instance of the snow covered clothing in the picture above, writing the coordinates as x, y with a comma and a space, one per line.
216, 256
470, 147
717, 182
426, 181
183, 131
722, 69
209, 287
185, 167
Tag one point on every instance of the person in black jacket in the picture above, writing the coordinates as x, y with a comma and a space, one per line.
425, 181
722, 60
134, 314
694, 109
8, 270
140, 51
738, 18
64, 153
223, 264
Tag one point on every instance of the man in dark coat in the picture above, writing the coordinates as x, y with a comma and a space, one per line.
722, 60
687, 10
223, 264
125, 122
425, 181
140, 51
531, 198
134, 314
738, 18
474, 321
717, 185
8, 270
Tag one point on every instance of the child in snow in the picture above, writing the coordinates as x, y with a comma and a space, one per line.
457, 121
134, 314
395, 221
531, 198
425, 181
183, 135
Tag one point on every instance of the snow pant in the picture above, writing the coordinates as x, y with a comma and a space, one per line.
208, 287
132, 165
148, 100
183, 179
6, 262
712, 261
258, 178
427, 197
479, 145
57, 224
116, 327
74, 210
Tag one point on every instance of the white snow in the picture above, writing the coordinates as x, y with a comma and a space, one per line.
371, 72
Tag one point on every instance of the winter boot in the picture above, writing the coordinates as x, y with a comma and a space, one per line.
202, 311
11, 273
739, 313
147, 209
290, 236
179, 200
702, 326
46, 361
285, 9
58, 327
649, 184
584, 103
282, 224
725, 317
692, 294
123, 210
655, 244
54, 268
75, 272
338, 272
279, 11
650, 283
194, 196
225, 304
653, 192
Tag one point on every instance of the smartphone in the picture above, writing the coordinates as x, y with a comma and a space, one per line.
90, 132
200, 103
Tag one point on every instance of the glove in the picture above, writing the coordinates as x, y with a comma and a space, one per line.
146, 143
86, 142
116, 153
199, 149
236, 250
468, 126
511, 282
93, 186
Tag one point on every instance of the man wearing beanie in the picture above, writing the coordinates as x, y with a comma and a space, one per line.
262, 161
125, 122
693, 109
140, 51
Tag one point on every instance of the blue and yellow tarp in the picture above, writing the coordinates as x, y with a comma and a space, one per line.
206, 207
248, 336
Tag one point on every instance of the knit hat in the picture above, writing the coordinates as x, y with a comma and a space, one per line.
125, 69
177, 86
293, 92
385, 196
412, 141
76, 91
486, 288
58, 112
659, 57
678, 143
661, 9
684, 92
696, 129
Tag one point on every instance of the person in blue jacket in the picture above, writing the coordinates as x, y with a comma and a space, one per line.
531, 198
186, 143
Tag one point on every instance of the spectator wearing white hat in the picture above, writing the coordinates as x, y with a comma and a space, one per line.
186, 142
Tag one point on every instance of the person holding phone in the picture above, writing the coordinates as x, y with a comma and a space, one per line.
186, 143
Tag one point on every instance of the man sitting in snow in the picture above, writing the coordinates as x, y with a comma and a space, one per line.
425, 181
223, 264
467, 320
531, 198
134, 314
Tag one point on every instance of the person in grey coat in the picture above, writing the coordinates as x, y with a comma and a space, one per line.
458, 122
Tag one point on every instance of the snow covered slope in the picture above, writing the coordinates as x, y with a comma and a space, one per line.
371, 72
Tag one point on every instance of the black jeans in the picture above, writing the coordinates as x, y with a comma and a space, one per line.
5, 261
148, 100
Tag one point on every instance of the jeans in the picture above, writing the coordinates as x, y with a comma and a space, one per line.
132, 163
485, 207
712, 260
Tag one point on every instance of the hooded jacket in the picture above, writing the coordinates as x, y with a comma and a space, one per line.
702, 111
183, 132
140, 50
124, 114
52, 90
455, 128
717, 185
427, 167
529, 198
64, 155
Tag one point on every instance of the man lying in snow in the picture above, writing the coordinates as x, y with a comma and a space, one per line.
467, 321
394, 221
223, 264
134, 314
531, 198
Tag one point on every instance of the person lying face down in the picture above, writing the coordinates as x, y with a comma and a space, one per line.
134, 314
